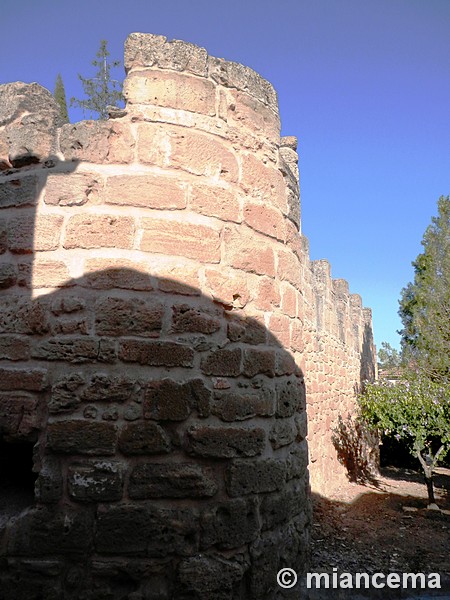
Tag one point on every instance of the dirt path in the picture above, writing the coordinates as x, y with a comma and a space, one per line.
384, 528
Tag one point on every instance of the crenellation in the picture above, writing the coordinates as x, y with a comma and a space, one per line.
165, 341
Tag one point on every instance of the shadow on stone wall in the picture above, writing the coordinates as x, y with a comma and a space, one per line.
168, 435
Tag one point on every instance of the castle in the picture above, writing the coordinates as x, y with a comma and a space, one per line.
170, 358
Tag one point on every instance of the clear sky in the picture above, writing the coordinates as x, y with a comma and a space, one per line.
363, 84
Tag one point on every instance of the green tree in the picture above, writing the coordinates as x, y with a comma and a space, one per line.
101, 90
388, 357
425, 303
416, 411
60, 97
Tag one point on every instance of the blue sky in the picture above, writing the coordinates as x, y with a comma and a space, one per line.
363, 84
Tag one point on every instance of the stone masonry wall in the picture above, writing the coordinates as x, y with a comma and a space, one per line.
159, 319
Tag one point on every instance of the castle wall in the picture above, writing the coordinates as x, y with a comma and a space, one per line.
160, 320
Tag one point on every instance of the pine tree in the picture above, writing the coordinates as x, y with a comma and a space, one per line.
101, 90
60, 97
425, 303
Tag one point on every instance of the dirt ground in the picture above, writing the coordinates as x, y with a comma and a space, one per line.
384, 527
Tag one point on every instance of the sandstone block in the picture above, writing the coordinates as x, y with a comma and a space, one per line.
247, 113
229, 288
72, 189
168, 400
148, 191
95, 482
149, 50
64, 396
211, 576
263, 183
194, 320
244, 251
110, 273
81, 437
290, 397
143, 438
105, 387
26, 233
179, 280
298, 461
235, 406
50, 273
13, 347
223, 363
266, 219
33, 380
73, 350
279, 326
99, 231
49, 484
282, 433
118, 316
178, 238
166, 480
19, 192
285, 364
171, 90
215, 202
255, 476
247, 330
97, 142
8, 275
138, 530
230, 525
279, 508
289, 268
226, 442
259, 362
157, 354
18, 414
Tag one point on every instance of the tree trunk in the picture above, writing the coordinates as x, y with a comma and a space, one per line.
430, 489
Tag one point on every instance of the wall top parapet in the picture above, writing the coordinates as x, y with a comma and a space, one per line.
149, 50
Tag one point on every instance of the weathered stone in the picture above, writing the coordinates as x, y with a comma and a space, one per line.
64, 397
231, 524
81, 437
140, 530
49, 484
109, 388
19, 416
19, 192
121, 316
188, 319
226, 442
168, 400
13, 347
157, 354
23, 316
238, 406
280, 507
143, 438
282, 433
255, 476
74, 189
290, 397
298, 461
100, 481
29, 117
97, 142
168, 480
8, 275
109, 273
23, 379
73, 350
211, 577
223, 363
259, 362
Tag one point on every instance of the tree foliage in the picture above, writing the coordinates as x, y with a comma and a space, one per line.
101, 90
416, 411
388, 357
60, 96
425, 303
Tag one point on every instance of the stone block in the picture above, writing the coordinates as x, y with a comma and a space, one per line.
290, 397
99, 231
117, 316
19, 192
247, 330
280, 507
211, 577
191, 319
244, 404
263, 183
180, 238
171, 90
14, 347
224, 362
171, 480
140, 530
100, 481
97, 142
110, 273
82, 437
282, 433
72, 189
215, 202
105, 387
8, 275
19, 416
259, 362
32, 380
228, 287
73, 350
147, 191
266, 219
255, 476
50, 274
226, 442
168, 400
247, 252
49, 484
149, 50
64, 396
143, 438
298, 461
230, 525
157, 354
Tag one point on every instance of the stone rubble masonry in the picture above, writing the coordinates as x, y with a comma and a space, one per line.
165, 342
